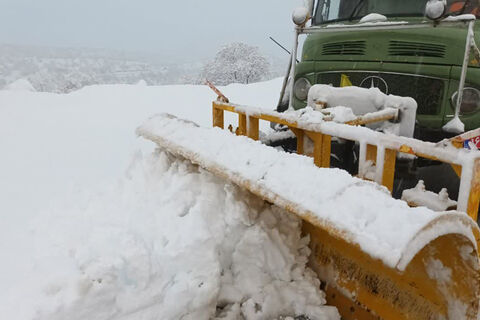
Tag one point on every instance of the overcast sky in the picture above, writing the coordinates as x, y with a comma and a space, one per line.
174, 28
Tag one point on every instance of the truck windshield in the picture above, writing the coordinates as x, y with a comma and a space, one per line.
344, 10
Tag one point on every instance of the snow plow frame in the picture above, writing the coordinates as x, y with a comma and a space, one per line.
379, 148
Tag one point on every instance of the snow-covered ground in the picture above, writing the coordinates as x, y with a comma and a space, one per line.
98, 225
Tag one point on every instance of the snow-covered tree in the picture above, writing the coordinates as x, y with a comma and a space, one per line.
236, 63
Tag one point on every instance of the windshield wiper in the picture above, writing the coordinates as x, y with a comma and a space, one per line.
354, 12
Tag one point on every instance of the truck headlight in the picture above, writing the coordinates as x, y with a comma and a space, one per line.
300, 89
435, 9
470, 101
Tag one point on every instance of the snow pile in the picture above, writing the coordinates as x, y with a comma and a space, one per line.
455, 126
142, 83
419, 196
170, 241
20, 85
340, 114
373, 17
461, 17
363, 101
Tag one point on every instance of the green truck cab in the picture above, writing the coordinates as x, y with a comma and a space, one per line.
407, 54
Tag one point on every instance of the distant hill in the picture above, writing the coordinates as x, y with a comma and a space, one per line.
62, 70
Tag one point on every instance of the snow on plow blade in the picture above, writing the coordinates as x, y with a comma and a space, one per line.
378, 258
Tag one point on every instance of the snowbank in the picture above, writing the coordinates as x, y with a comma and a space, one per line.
169, 241
20, 85
95, 227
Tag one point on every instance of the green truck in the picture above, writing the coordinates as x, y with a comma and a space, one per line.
405, 54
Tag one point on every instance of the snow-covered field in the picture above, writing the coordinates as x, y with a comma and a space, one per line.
96, 224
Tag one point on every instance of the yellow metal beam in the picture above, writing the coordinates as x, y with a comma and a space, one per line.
457, 169
326, 150
300, 134
360, 121
321, 148
371, 153
389, 169
218, 116
474, 197
266, 117
242, 125
253, 128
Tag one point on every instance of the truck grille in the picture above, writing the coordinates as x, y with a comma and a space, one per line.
416, 49
428, 92
354, 48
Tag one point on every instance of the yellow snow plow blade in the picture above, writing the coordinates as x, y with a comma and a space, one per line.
425, 267
440, 282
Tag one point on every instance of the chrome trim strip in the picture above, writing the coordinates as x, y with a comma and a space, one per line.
382, 72
384, 26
